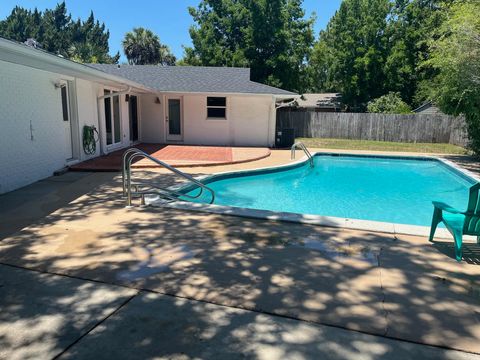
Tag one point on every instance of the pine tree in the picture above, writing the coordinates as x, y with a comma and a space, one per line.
56, 32
270, 36
350, 54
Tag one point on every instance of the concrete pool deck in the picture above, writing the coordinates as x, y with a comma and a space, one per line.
101, 281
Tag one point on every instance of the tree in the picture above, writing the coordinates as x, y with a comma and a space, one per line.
270, 36
373, 47
412, 24
390, 103
88, 40
56, 32
350, 54
456, 58
143, 47
166, 56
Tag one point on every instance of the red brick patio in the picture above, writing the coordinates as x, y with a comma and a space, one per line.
176, 155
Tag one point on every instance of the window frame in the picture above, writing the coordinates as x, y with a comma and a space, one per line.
113, 130
217, 107
65, 99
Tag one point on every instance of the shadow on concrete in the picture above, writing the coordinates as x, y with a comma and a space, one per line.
471, 251
470, 163
153, 326
42, 314
399, 287
32, 203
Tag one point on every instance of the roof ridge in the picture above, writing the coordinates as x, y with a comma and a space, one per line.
172, 66
198, 79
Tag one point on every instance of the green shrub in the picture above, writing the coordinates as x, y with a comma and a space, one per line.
390, 103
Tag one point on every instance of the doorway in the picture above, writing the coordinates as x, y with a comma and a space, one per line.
112, 120
133, 115
174, 119
67, 119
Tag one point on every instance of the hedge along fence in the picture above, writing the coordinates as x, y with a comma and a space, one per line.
380, 127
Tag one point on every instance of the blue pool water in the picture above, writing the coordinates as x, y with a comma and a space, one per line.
370, 188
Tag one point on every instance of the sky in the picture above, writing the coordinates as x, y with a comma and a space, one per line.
169, 19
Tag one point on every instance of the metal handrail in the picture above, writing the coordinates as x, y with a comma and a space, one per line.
133, 153
305, 150
139, 153
168, 192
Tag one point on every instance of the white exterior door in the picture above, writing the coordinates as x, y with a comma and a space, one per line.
113, 121
67, 119
174, 119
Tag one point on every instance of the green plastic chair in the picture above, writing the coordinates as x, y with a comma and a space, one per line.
458, 222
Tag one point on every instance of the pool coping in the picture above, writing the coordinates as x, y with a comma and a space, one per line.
320, 220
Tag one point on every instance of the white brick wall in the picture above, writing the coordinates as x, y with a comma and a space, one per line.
29, 97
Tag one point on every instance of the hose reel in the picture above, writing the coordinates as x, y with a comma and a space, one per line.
90, 139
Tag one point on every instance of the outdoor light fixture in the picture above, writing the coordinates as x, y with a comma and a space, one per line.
57, 84
127, 97
157, 100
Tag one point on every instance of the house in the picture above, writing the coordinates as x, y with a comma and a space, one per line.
46, 101
428, 108
321, 102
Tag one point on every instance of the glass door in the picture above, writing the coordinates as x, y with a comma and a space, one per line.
112, 119
174, 119
67, 123
133, 112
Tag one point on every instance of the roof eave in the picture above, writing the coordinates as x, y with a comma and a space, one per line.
280, 96
16, 49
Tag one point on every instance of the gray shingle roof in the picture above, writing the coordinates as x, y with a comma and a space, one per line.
192, 78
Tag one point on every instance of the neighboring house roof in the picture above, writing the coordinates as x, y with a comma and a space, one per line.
428, 108
319, 100
192, 79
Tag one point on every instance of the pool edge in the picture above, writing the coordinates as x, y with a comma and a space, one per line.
319, 220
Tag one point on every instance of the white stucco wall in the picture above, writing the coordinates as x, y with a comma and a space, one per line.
151, 119
250, 117
87, 111
29, 99
197, 129
247, 122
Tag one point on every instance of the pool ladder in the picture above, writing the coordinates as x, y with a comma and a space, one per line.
305, 150
131, 190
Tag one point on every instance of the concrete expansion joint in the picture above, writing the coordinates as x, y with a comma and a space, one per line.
96, 325
255, 310
68, 276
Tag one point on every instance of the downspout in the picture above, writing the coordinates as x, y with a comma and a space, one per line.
103, 148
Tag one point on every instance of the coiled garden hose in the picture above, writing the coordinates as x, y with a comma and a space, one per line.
90, 139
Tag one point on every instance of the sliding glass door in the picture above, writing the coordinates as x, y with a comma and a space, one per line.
112, 119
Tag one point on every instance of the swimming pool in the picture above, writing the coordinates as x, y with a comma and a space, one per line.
386, 189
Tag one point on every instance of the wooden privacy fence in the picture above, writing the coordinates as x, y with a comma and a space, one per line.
380, 127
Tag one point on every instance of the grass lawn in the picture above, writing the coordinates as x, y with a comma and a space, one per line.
347, 144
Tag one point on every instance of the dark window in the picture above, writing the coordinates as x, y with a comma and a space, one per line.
216, 107
64, 102
216, 101
218, 113
108, 118
116, 118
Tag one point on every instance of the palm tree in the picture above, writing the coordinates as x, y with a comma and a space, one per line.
141, 47
166, 57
